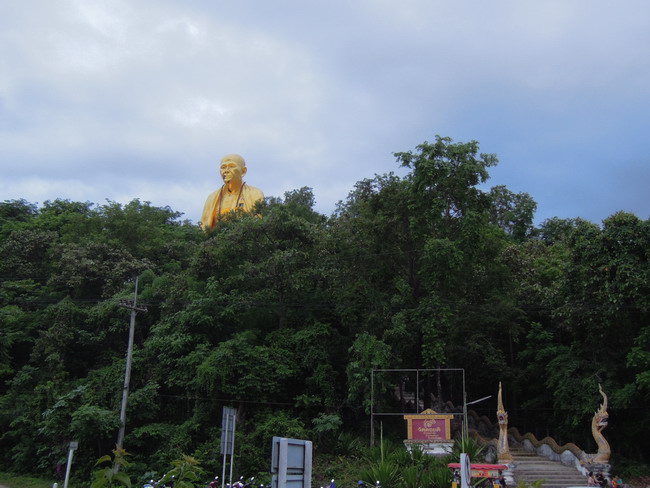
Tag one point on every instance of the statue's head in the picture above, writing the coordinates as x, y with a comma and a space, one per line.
233, 168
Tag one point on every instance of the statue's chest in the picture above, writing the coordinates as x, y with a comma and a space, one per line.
231, 201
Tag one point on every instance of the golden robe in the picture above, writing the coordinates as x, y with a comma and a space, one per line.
221, 202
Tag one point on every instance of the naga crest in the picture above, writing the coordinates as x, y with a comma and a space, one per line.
503, 451
601, 417
502, 415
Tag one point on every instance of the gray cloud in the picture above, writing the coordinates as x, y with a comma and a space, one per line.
121, 100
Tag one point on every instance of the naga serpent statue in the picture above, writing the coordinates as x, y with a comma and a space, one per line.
598, 423
503, 451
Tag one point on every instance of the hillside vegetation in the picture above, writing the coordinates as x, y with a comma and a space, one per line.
283, 314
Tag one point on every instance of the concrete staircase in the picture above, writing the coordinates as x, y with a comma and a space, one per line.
529, 467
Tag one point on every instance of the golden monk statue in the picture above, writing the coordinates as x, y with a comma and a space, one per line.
233, 195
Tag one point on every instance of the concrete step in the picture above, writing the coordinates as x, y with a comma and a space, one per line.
561, 485
548, 479
540, 465
548, 473
552, 474
529, 467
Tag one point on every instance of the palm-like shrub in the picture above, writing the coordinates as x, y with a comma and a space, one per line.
393, 466
383, 467
468, 445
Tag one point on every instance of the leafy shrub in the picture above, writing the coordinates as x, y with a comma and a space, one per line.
108, 476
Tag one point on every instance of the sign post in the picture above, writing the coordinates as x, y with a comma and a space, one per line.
431, 430
228, 421
291, 462
73, 447
465, 471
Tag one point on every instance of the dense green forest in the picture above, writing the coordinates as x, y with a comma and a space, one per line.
284, 313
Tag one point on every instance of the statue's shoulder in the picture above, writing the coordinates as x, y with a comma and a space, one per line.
214, 194
254, 192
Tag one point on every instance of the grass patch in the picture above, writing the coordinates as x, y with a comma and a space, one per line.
14, 481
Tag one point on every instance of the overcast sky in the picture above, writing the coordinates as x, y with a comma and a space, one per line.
124, 99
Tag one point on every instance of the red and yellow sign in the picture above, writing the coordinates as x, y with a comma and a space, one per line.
429, 426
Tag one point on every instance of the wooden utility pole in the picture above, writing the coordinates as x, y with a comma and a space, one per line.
133, 306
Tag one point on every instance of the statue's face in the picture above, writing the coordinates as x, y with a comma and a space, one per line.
232, 171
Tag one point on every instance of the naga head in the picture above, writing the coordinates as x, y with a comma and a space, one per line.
598, 423
601, 417
502, 415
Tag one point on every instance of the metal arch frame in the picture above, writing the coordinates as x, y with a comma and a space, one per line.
417, 395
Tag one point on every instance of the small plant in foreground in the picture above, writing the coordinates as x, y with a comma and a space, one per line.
109, 477
184, 473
